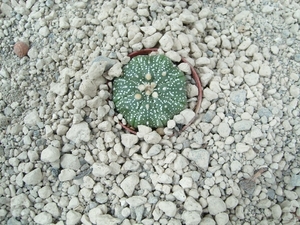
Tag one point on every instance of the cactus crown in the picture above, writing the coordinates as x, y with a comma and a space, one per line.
150, 92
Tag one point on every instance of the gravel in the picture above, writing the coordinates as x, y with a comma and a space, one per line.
64, 156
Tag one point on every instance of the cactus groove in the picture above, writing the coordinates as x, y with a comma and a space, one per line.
150, 92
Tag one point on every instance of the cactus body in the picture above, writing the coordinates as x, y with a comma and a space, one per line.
150, 92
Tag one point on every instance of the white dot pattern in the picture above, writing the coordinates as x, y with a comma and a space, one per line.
168, 97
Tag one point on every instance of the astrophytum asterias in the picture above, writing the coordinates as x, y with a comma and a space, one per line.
150, 91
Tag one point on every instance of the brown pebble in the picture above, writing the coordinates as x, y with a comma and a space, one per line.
21, 49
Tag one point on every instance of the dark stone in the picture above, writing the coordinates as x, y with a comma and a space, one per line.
208, 116
271, 194
264, 112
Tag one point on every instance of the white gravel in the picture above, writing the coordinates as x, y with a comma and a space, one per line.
65, 159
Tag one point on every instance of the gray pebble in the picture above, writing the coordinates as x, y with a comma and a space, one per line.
200, 157
128, 140
191, 217
43, 218
267, 9
238, 97
251, 79
88, 87
73, 217
152, 137
168, 207
208, 116
100, 169
166, 42
295, 180
262, 111
151, 41
66, 174
215, 205
126, 15
222, 218
79, 132
135, 201
297, 57
50, 154
186, 17
154, 150
77, 22
32, 118
231, 202
224, 129
191, 204
34, 177
243, 125
129, 183
264, 203
271, 194
265, 70
109, 62
6, 9
44, 31
180, 163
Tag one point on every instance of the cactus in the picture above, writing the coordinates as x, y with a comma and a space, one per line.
150, 92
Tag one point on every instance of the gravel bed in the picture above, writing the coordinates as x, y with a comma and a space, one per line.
64, 157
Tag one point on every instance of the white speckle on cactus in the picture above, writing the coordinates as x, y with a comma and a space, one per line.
150, 99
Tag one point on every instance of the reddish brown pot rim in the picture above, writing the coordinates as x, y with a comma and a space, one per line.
195, 76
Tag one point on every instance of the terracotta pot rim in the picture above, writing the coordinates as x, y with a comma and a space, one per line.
195, 76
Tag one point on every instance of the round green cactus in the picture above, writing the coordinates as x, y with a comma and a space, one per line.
150, 92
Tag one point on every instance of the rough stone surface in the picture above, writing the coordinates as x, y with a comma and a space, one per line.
152, 137
101, 169
66, 174
50, 154
238, 97
33, 177
32, 118
251, 79
169, 208
243, 125
43, 218
88, 87
215, 205
128, 140
69, 161
79, 132
66, 159
224, 129
129, 183
200, 157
